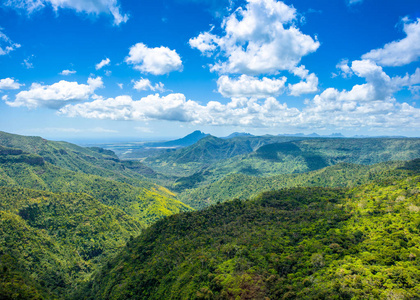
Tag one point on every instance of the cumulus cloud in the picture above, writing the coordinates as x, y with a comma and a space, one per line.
258, 39
156, 61
9, 84
6, 44
171, 107
145, 84
308, 83
369, 105
330, 109
56, 95
102, 63
249, 86
175, 107
343, 67
81, 6
401, 52
67, 72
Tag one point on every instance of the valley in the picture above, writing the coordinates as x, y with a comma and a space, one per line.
202, 217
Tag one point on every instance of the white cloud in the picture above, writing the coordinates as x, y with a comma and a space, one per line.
9, 84
308, 84
369, 105
81, 6
402, 52
156, 61
145, 84
175, 107
6, 44
27, 62
205, 42
5, 97
330, 109
102, 63
259, 39
67, 72
120, 85
249, 86
345, 70
56, 95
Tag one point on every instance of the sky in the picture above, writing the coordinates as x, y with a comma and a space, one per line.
154, 69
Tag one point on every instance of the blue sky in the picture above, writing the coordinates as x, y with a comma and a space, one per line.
119, 69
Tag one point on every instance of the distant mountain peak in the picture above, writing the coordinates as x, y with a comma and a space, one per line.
238, 134
187, 140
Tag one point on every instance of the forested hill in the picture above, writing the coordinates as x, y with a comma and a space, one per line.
144, 201
93, 160
245, 186
60, 219
300, 243
207, 151
212, 159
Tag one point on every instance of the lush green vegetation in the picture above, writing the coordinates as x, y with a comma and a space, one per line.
243, 186
206, 152
95, 161
146, 202
212, 159
300, 243
78, 223
64, 210
50, 243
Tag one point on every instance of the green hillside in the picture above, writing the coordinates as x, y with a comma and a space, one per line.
51, 242
207, 151
245, 186
95, 161
146, 204
300, 243
287, 157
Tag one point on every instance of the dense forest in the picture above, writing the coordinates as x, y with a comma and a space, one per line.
301, 243
236, 218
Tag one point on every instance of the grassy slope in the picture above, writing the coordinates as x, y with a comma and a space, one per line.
300, 243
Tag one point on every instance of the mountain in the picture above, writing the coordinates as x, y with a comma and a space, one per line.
211, 159
93, 160
33, 162
237, 134
152, 149
207, 151
187, 140
300, 243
